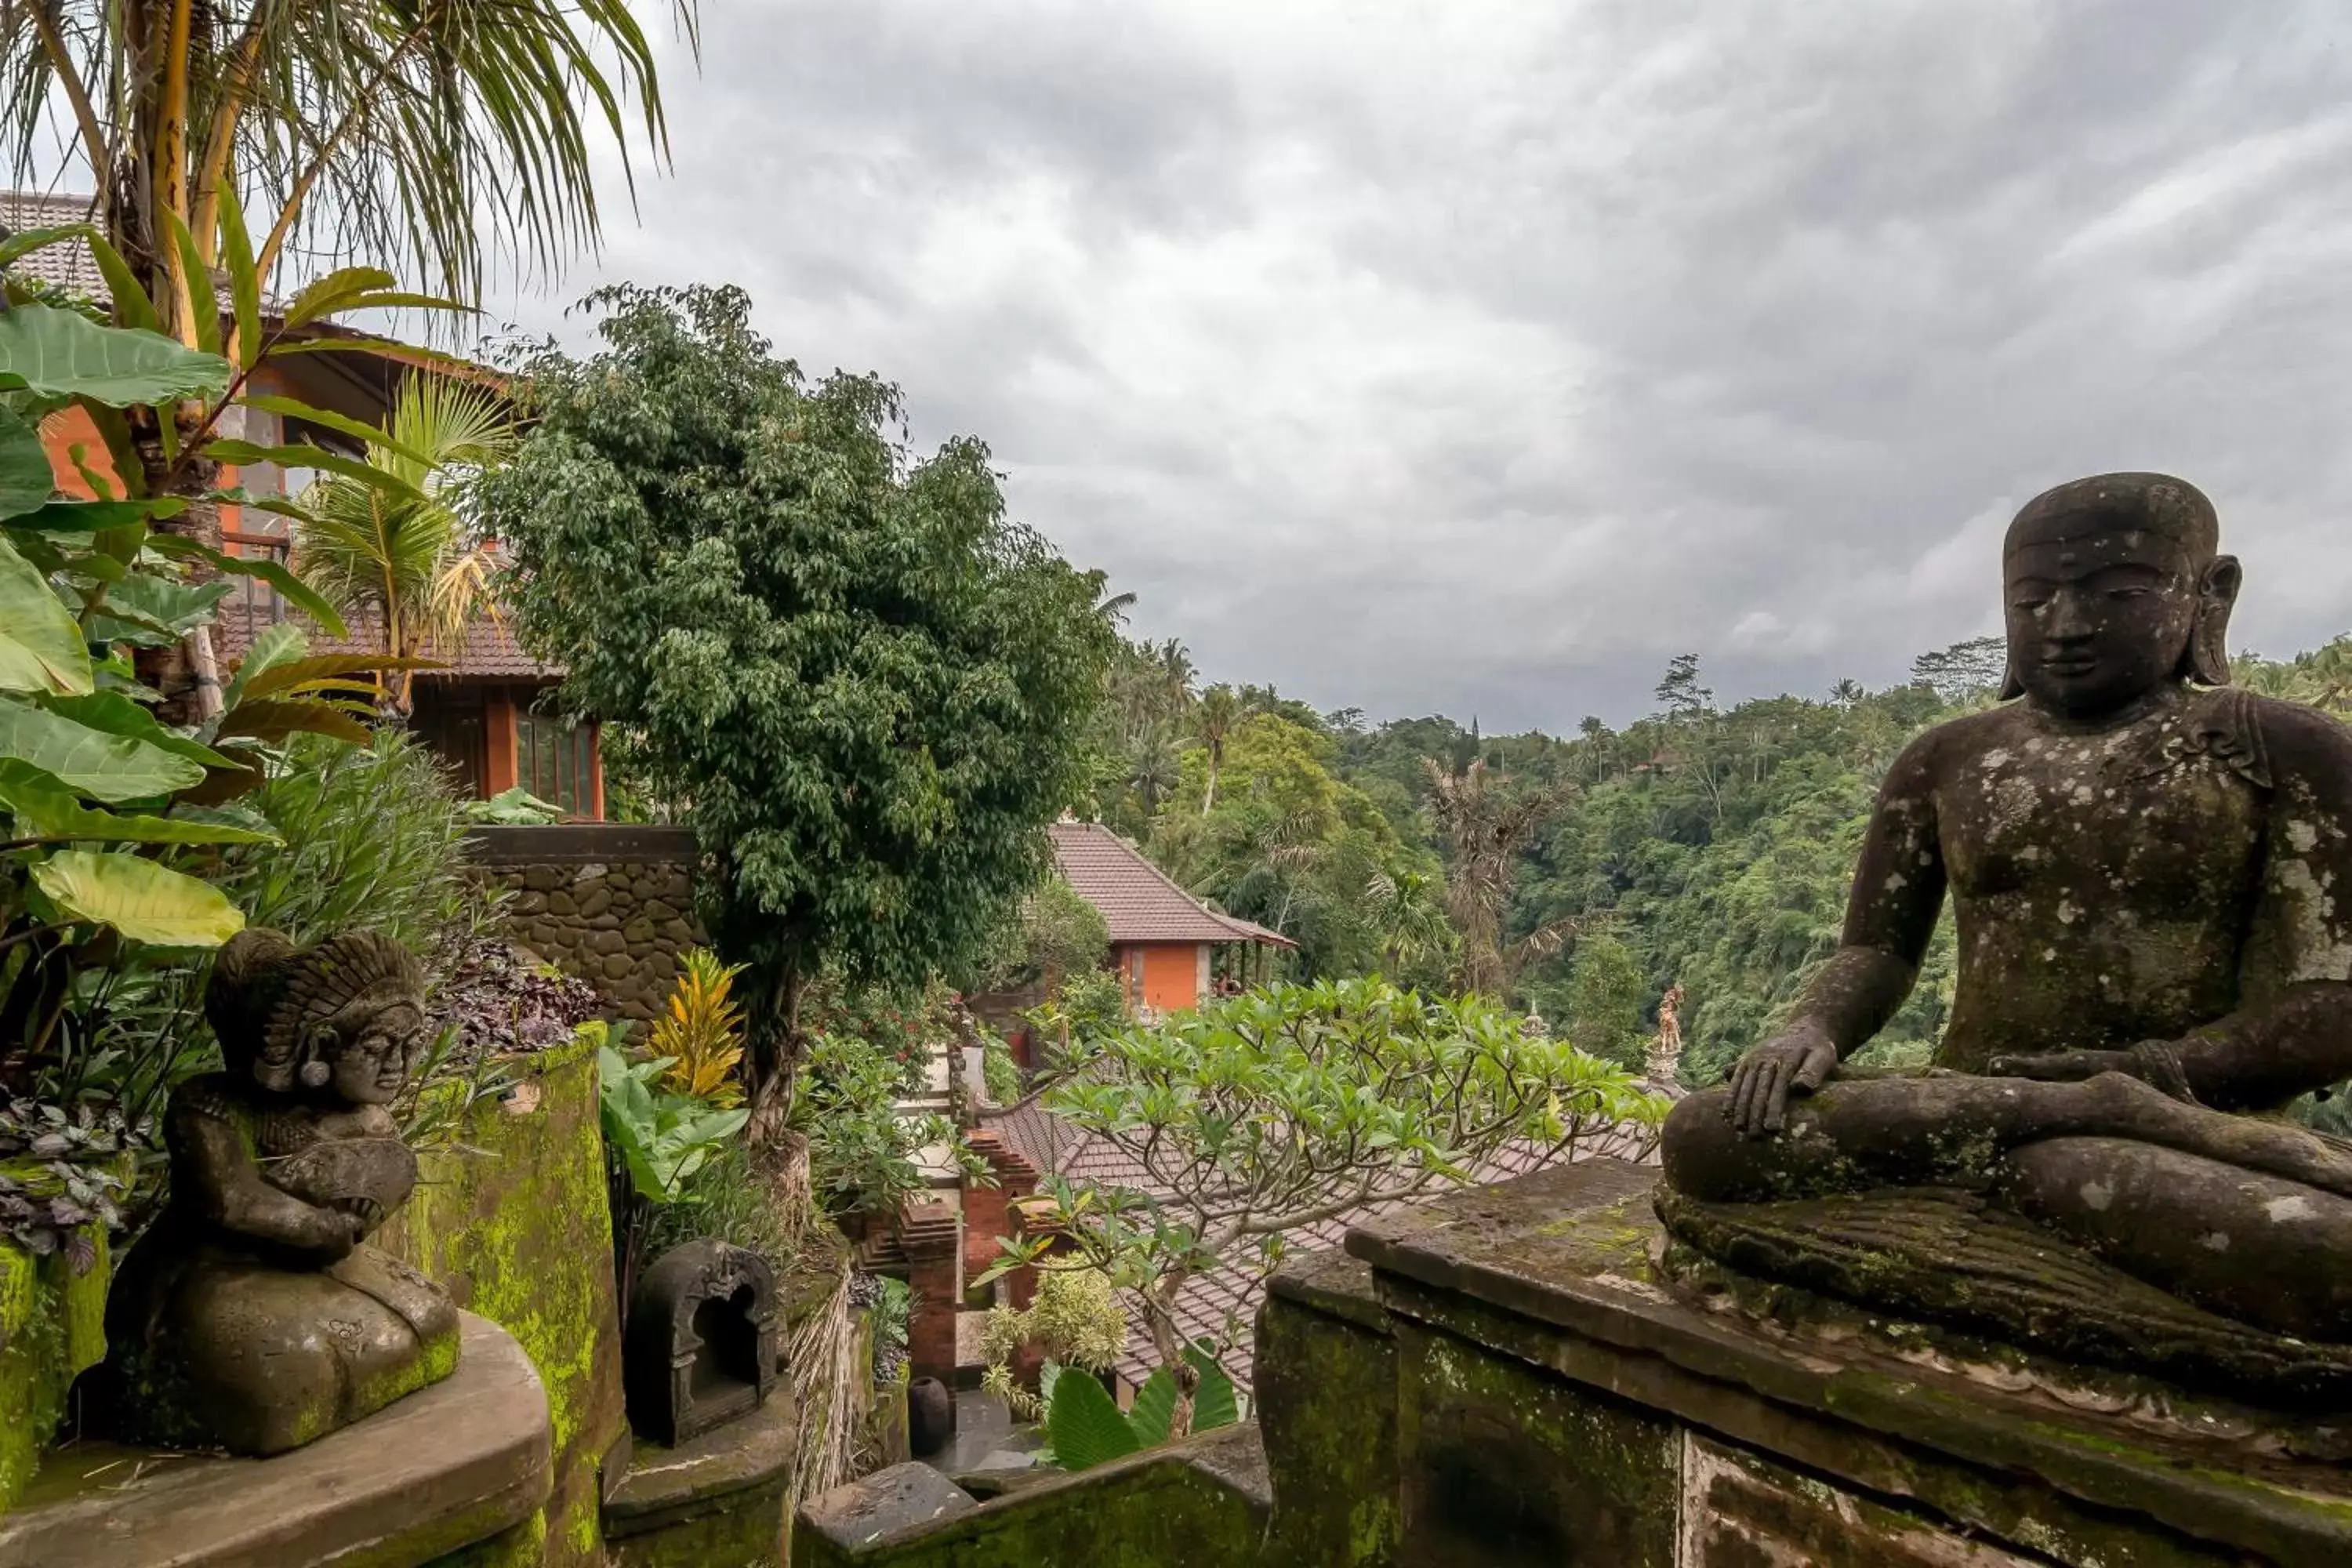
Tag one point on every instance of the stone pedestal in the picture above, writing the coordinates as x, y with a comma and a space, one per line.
716, 1500
1555, 1404
456, 1471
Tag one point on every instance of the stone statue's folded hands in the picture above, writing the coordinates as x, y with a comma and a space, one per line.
1797, 1062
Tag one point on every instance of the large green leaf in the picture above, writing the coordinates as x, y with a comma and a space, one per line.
96, 516
25, 480
41, 646
59, 354
162, 603
1216, 1402
274, 718
91, 761
47, 808
203, 304
117, 714
1154, 1408
327, 295
143, 900
1085, 1425
244, 284
328, 419
283, 643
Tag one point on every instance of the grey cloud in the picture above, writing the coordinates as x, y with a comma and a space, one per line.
1481, 357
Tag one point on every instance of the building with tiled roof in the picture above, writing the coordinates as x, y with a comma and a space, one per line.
479, 714
1163, 940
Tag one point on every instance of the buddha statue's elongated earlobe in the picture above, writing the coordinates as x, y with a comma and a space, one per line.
2208, 658
2011, 687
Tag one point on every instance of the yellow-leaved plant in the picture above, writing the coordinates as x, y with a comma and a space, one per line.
702, 1032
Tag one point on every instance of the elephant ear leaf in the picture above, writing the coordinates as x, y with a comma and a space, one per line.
136, 897
1154, 1408
1216, 1402
25, 477
41, 645
55, 354
1086, 1423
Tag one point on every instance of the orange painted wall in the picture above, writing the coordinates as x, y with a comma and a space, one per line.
1171, 975
63, 431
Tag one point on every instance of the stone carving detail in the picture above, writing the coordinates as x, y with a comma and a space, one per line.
705, 1340
2152, 879
248, 1316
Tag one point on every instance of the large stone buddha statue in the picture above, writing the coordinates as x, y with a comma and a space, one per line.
2151, 875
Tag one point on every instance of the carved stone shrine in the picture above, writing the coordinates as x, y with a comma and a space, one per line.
704, 1343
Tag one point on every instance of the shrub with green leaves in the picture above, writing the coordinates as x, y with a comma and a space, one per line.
1074, 1319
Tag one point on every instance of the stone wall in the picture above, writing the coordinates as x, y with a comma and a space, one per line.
510, 1214
610, 902
51, 1328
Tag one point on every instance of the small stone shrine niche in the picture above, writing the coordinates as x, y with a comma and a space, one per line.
704, 1341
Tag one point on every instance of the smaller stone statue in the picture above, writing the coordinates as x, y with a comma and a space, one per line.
249, 1317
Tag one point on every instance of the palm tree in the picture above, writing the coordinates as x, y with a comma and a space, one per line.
411, 560
1219, 712
1485, 827
372, 131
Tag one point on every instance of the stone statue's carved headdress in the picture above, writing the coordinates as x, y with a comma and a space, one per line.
2160, 504
278, 1009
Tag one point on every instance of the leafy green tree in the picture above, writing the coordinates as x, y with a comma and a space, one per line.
1965, 671
873, 690
1604, 1000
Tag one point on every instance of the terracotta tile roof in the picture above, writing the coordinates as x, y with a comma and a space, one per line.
491, 652
1138, 901
1223, 1305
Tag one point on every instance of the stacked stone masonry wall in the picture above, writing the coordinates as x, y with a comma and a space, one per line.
612, 904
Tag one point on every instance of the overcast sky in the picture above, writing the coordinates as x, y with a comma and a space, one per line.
1478, 357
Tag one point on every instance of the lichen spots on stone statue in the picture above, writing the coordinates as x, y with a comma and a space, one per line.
2142, 865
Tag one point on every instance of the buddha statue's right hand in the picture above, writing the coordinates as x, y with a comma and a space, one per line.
1798, 1062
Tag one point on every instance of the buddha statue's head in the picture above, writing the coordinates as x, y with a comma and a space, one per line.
341, 1021
2112, 587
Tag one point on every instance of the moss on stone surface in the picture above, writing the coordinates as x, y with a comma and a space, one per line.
1327, 1403
52, 1326
1497, 1456
1164, 1515
748, 1533
515, 1221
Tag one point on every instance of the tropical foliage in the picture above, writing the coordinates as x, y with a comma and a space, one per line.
869, 685
1257, 1114
701, 1030
1087, 1428
114, 808
375, 132
399, 545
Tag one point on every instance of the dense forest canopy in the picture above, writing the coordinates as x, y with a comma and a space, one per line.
1579, 875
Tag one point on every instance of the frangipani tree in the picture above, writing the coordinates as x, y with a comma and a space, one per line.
1257, 1114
